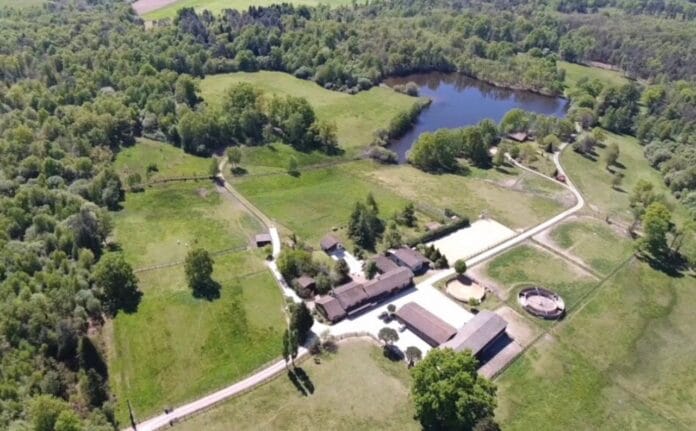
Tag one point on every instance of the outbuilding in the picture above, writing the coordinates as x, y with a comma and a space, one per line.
425, 324
263, 239
410, 258
330, 243
478, 333
330, 308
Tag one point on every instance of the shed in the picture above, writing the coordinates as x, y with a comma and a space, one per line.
410, 258
425, 324
519, 136
306, 282
263, 239
478, 333
433, 226
330, 243
330, 308
384, 264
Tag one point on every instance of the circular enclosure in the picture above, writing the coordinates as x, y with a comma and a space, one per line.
541, 302
465, 289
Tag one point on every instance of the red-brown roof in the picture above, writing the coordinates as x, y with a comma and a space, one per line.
332, 309
425, 324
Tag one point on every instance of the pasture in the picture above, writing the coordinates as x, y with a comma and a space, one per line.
357, 117
574, 72
165, 161
355, 389
176, 347
158, 9
162, 223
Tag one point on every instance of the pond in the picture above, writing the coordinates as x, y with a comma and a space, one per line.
459, 101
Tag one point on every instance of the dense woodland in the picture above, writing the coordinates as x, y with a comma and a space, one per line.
81, 79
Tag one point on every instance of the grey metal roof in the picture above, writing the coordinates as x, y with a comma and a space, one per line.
263, 237
425, 324
477, 333
411, 258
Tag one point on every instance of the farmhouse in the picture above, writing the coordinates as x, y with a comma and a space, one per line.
480, 332
352, 298
330, 308
425, 324
330, 243
262, 239
410, 258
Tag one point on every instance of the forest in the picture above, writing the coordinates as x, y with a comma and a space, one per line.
80, 80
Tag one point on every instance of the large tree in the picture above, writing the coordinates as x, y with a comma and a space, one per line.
657, 223
115, 277
448, 392
301, 321
199, 269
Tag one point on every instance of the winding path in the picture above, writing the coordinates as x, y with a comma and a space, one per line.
277, 368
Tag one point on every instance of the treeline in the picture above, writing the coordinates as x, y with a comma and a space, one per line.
248, 117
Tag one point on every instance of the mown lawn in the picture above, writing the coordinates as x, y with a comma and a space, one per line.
527, 264
170, 161
357, 117
576, 71
217, 6
597, 244
176, 347
162, 223
517, 199
318, 200
356, 389
623, 361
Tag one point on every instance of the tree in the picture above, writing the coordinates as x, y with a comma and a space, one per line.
213, 168
293, 168
657, 223
642, 195
199, 269
449, 393
44, 412
68, 421
434, 152
460, 266
499, 158
301, 321
408, 215
341, 271
290, 346
611, 155
550, 143
370, 269
371, 203
388, 335
119, 285
392, 236
234, 156
616, 180
134, 180
413, 355
323, 283
292, 263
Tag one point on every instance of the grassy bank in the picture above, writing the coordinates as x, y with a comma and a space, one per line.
217, 6
355, 389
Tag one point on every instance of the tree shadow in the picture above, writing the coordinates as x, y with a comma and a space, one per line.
300, 379
238, 171
209, 290
619, 189
673, 266
393, 353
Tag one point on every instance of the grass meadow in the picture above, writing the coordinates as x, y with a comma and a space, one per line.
176, 347
357, 117
216, 6
170, 161
576, 71
356, 389
20, 4
597, 244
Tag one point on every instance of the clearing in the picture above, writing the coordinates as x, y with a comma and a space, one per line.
177, 347
161, 224
170, 161
160, 9
576, 71
358, 388
357, 117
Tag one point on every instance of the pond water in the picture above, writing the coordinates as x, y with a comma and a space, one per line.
459, 101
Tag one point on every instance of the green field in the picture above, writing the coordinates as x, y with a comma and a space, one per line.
162, 223
176, 347
623, 361
526, 264
171, 161
318, 200
576, 71
597, 244
357, 116
356, 389
21, 3
217, 6
518, 199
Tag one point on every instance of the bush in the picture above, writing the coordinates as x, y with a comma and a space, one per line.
460, 266
382, 155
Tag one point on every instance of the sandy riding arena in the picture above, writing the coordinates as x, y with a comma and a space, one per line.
464, 289
481, 235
